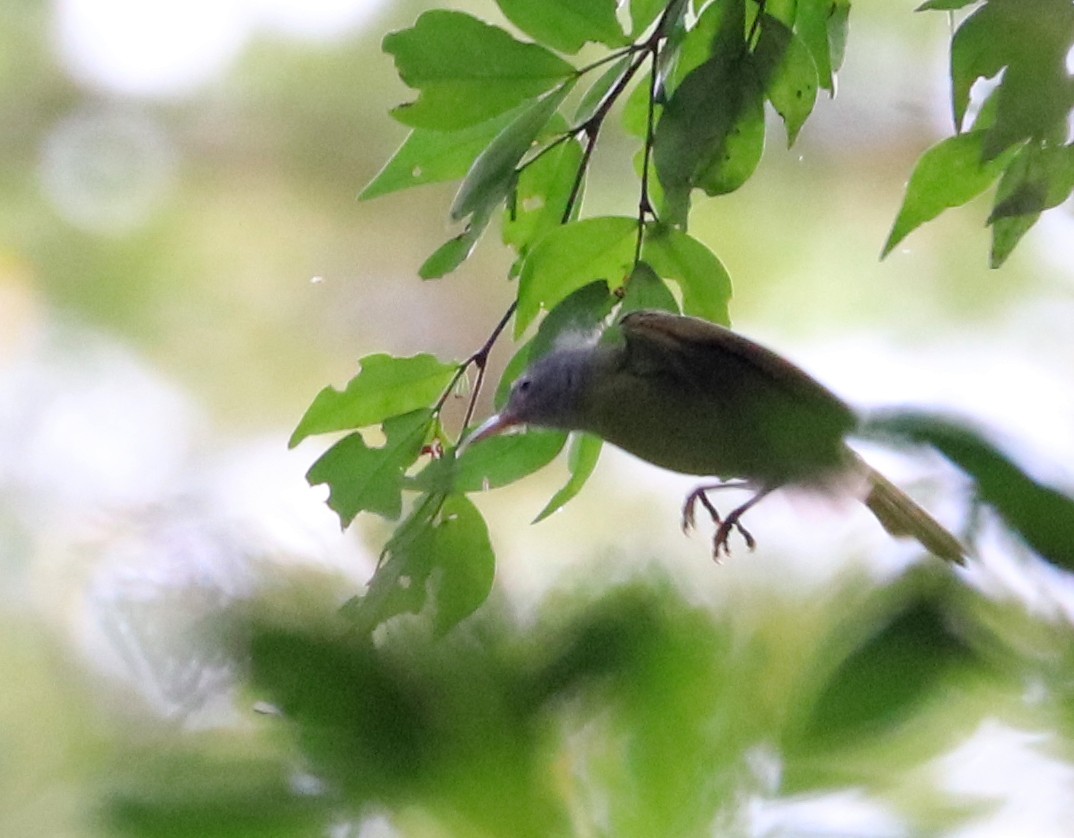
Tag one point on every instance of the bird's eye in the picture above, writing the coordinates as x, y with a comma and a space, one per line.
523, 385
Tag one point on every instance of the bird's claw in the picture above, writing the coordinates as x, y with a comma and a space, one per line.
724, 526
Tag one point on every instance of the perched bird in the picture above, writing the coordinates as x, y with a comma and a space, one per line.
696, 398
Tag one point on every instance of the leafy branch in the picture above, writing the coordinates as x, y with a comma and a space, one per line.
510, 120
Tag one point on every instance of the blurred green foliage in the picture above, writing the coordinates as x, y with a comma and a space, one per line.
623, 711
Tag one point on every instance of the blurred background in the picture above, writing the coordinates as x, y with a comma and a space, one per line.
184, 265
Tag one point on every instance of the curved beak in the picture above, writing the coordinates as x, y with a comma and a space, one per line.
492, 426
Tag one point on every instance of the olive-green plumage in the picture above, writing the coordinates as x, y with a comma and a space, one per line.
696, 398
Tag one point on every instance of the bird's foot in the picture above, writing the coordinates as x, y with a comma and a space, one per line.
721, 541
724, 527
699, 494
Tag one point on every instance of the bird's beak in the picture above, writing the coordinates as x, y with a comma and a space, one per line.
490, 427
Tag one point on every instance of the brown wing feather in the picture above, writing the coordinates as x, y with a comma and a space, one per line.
771, 420
654, 338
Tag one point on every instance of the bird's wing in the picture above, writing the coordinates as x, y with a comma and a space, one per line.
704, 355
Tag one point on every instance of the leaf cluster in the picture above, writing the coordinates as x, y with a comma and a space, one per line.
1017, 133
517, 121
629, 712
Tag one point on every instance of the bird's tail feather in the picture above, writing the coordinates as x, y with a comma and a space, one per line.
900, 515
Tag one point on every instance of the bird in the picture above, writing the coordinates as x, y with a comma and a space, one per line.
694, 397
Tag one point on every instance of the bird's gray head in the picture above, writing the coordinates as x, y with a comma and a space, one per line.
548, 395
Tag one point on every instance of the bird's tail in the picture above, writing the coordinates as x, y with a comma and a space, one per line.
901, 516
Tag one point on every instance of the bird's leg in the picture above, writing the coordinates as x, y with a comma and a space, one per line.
699, 494
723, 527
732, 522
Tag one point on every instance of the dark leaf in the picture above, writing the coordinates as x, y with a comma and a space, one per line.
787, 74
1038, 178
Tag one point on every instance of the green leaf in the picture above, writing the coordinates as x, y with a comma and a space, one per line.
944, 5
736, 156
905, 662
491, 463
579, 316
821, 25
463, 562
582, 459
571, 256
1038, 179
1040, 514
1031, 39
457, 249
515, 367
467, 71
595, 95
643, 13
433, 156
949, 174
442, 550
371, 479
384, 387
541, 195
566, 25
838, 29
787, 74
646, 290
710, 134
493, 174
705, 284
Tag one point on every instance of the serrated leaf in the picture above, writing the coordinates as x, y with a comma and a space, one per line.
646, 290
571, 256
566, 25
949, 174
442, 550
582, 459
457, 249
493, 174
787, 73
1038, 179
705, 284
541, 196
433, 156
384, 387
491, 463
363, 479
467, 71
